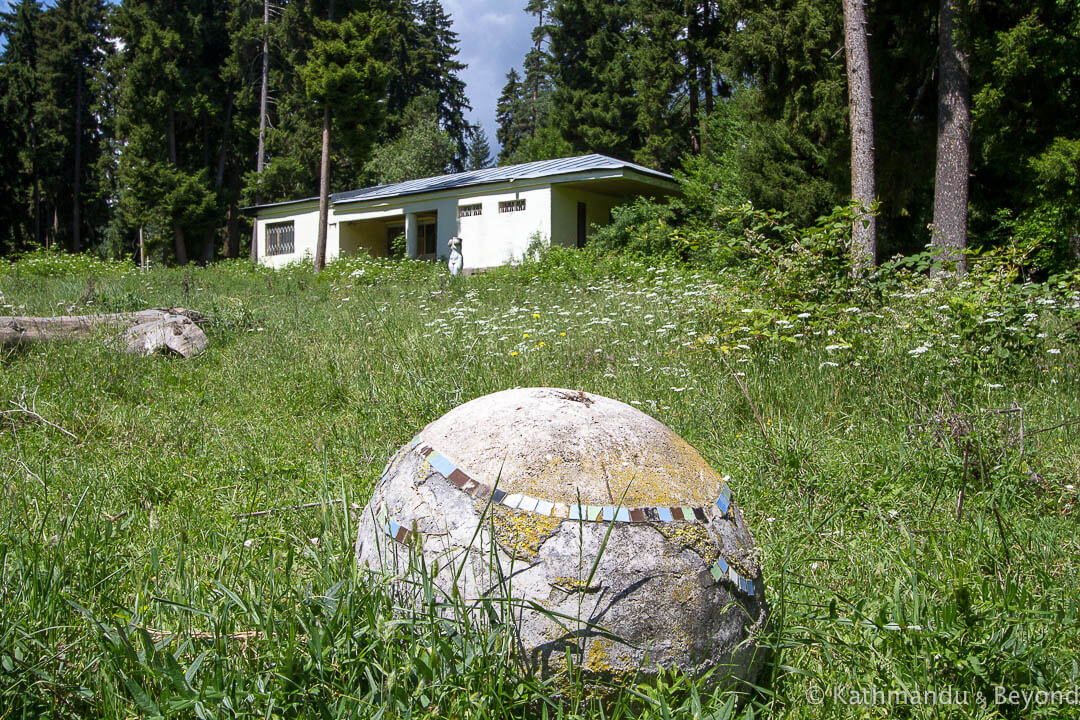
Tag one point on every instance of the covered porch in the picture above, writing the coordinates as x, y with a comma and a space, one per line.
376, 236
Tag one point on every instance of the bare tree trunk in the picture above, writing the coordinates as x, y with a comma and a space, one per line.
261, 159
178, 232
324, 180
954, 139
76, 181
707, 80
36, 184
219, 177
860, 105
233, 230
693, 62
142, 250
324, 193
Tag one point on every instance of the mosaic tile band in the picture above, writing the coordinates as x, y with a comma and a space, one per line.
719, 570
591, 513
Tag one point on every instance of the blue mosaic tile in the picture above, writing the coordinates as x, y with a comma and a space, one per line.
512, 501
545, 508
623, 515
665, 515
723, 504
440, 463
575, 512
722, 563
608, 513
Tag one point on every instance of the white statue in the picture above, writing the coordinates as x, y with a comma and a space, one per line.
456, 261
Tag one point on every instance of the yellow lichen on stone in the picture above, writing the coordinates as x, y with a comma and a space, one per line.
682, 592
596, 660
521, 533
573, 585
692, 537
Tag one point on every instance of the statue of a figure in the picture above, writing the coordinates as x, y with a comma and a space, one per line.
456, 261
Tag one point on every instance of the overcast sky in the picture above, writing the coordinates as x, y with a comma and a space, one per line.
494, 36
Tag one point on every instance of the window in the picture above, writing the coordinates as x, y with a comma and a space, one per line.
279, 238
470, 210
511, 206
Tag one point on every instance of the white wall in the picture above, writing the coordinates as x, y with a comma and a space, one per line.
305, 217
564, 200
495, 238
488, 240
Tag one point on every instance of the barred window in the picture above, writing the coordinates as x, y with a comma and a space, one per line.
470, 210
511, 206
279, 238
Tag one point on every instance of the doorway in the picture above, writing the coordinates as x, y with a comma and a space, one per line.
582, 224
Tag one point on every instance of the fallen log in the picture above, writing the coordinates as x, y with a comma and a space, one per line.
145, 331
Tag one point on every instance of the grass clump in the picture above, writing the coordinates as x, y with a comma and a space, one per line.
912, 484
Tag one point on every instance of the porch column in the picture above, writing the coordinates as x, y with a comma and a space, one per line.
410, 235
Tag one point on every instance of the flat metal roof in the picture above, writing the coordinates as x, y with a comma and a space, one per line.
509, 173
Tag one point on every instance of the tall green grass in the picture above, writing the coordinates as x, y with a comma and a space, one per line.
910, 539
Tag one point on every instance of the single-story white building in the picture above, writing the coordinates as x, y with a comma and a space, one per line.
496, 212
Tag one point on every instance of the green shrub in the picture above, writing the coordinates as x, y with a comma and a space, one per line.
644, 226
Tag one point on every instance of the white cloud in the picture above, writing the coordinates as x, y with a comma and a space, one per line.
493, 36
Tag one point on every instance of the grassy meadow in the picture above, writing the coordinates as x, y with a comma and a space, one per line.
911, 485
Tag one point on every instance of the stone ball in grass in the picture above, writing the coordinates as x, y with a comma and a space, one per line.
606, 536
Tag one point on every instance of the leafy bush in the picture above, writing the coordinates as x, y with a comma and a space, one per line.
644, 226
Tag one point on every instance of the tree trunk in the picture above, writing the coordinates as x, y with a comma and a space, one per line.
259, 161
36, 183
693, 63
76, 180
178, 232
324, 193
324, 179
147, 330
953, 143
707, 81
233, 230
219, 178
860, 104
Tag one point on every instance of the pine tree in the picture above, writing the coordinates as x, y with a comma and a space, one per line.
72, 64
662, 63
346, 69
479, 149
595, 103
441, 45
537, 85
510, 116
789, 57
21, 86
171, 114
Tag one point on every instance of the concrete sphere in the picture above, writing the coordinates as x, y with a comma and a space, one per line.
617, 541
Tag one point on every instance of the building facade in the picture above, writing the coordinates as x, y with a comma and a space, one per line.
497, 212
